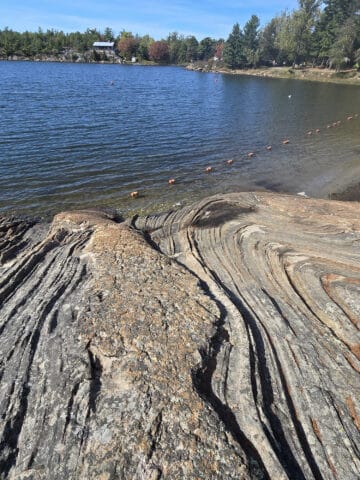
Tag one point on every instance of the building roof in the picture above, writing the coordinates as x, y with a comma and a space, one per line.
104, 44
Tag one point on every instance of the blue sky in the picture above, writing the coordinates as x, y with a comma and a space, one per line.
201, 18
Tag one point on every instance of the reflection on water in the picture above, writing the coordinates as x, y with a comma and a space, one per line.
79, 135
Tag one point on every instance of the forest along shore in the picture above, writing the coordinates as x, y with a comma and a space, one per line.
347, 77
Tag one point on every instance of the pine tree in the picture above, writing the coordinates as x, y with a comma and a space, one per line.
333, 18
234, 49
269, 51
343, 51
251, 40
206, 48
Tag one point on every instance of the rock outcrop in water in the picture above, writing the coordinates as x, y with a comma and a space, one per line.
220, 341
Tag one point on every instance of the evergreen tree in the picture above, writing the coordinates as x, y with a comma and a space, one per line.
333, 18
9, 42
269, 51
192, 46
182, 52
174, 41
251, 41
234, 49
343, 51
109, 35
206, 48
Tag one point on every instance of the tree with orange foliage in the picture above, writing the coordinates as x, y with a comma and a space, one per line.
127, 46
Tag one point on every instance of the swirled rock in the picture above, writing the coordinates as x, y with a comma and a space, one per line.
285, 274
99, 337
219, 341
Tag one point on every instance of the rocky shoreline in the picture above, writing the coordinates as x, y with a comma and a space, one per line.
350, 77
217, 341
90, 56
346, 77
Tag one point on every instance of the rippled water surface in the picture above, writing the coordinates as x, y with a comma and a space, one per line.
77, 135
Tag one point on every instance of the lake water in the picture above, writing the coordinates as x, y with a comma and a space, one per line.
76, 135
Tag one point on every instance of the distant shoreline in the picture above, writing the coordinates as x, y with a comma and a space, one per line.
344, 77
61, 59
324, 75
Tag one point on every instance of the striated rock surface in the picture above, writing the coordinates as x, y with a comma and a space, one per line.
219, 341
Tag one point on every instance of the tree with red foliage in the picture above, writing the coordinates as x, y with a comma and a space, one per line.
159, 52
219, 50
127, 46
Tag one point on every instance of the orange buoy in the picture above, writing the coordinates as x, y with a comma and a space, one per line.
230, 162
286, 141
134, 194
269, 147
251, 154
208, 169
171, 181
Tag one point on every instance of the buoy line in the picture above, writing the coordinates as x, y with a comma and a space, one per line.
251, 154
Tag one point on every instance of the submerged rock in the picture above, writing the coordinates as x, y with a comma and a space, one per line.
219, 341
